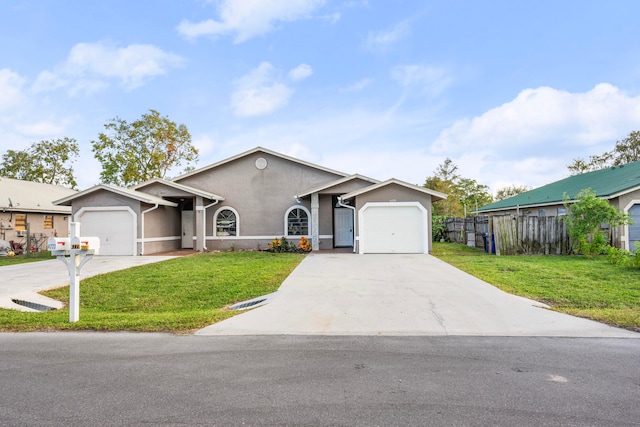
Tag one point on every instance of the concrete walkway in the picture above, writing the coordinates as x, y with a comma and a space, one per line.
23, 281
346, 294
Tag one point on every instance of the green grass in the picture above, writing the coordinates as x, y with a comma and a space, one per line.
21, 259
576, 285
179, 295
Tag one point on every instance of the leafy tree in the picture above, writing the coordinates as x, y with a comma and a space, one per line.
585, 218
443, 181
510, 191
625, 151
47, 162
464, 194
472, 195
147, 148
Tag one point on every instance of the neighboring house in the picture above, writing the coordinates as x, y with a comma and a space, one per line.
246, 201
26, 208
620, 185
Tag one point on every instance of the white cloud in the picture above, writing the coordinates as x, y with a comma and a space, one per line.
301, 72
427, 80
537, 117
259, 92
382, 41
531, 139
90, 67
249, 18
358, 86
11, 89
41, 128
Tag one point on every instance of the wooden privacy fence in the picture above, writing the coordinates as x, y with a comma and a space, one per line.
510, 235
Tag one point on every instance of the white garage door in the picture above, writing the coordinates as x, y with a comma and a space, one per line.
393, 228
113, 227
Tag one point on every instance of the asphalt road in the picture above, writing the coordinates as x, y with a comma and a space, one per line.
155, 379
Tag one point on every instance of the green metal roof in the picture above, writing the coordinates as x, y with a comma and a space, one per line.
606, 183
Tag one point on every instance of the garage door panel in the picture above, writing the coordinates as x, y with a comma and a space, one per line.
113, 228
393, 229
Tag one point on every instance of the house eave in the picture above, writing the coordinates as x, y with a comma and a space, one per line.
436, 195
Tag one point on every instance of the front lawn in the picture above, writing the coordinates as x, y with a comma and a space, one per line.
576, 285
20, 259
179, 295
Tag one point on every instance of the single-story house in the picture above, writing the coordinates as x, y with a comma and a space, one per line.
246, 201
620, 185
26, 208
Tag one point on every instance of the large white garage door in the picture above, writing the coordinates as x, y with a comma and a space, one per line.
393, 228
113, 227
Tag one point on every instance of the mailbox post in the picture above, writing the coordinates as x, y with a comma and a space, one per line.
74, 252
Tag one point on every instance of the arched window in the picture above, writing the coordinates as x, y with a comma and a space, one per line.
297, 221
226, 222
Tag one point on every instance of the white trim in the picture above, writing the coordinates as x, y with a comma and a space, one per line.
159, 239
362, 235
286, 222
215, 222
625, 239
134, 230
435, 195
338, 182
324, 236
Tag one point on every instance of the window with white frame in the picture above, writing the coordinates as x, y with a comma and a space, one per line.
297, 221
226, 222
562, 211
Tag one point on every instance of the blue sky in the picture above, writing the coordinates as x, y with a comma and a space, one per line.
511, 91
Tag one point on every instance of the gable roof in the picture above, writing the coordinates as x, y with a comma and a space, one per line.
181, 187
26, 196
338, 182
607, 183
436, 195
126, 192
257, 150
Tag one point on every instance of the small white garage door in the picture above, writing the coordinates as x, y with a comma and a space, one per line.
113, 227
393, 228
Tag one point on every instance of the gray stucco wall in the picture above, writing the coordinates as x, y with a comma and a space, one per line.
162, 230
397, 193
260, 196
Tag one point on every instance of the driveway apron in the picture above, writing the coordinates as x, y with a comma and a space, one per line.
347, 294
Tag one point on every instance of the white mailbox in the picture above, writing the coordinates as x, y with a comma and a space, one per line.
58, 244
86, 244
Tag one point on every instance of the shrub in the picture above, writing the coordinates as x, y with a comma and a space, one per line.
618, 256
439, 228
282, 245
585, 218
305, 245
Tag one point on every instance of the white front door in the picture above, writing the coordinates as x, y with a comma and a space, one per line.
187, 229
343, 227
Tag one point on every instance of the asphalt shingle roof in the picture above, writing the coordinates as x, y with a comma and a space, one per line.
607, 183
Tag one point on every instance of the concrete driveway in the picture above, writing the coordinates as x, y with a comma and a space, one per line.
23, 281
346, 294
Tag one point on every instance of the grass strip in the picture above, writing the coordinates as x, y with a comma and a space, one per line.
179, 295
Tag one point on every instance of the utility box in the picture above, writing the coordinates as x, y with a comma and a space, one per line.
58, 244
86, 244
